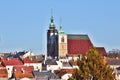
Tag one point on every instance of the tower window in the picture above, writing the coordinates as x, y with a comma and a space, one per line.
62, 39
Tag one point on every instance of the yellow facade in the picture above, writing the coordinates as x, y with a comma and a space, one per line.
62, 45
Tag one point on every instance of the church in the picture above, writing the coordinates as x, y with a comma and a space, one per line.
60, 44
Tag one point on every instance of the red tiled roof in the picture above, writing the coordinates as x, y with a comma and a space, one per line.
1, 65
3, 73
79, 46
11, 61
23, 72
26, 60
20, 74
101, 50
62, 72
25, 68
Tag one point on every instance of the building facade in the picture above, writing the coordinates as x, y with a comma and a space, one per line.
62, 43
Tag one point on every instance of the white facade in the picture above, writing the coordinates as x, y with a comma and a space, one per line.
75, 66
52, 67
66, 76
9, 70
73, 58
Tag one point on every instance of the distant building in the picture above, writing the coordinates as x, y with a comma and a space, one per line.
22, 54
52, 40
23, 73
9, 63
37, 65
61, 45
38, 58
64, 74
45, 75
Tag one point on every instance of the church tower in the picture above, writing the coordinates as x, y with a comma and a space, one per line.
52, 40
62, 43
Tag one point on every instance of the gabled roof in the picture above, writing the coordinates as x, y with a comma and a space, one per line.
11, 61
25, 68
79, 46
26, 60
101, 50
46, 75
3, 73
20, 74
23, 72
62, 72
51, 62
38, 58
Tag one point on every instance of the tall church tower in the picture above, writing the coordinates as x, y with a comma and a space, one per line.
62, 43
52, 40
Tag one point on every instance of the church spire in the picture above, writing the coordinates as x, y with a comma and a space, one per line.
61, 30
52, 20
52, 25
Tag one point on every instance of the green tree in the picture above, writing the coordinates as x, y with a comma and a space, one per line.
93, 67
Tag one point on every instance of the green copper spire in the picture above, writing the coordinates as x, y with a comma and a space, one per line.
61, 30
52, 25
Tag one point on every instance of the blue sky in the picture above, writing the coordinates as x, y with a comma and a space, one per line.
24, 23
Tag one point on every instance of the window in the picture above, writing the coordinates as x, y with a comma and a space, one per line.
62, 39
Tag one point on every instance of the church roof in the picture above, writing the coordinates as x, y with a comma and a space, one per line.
78, 43
101, 50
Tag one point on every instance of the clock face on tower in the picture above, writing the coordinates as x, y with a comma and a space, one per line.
62, 39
